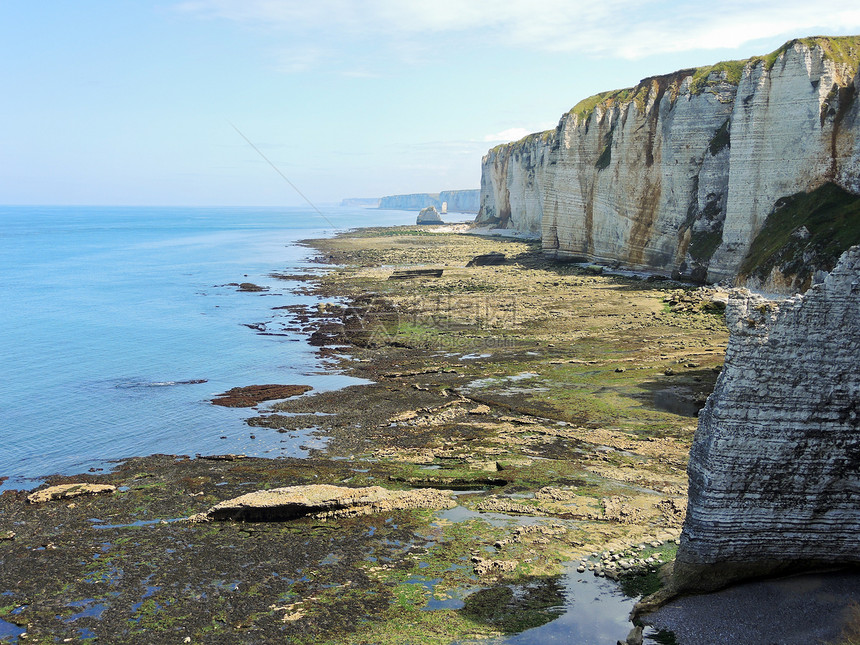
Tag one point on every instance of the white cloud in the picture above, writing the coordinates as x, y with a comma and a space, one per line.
295, 61
618, 28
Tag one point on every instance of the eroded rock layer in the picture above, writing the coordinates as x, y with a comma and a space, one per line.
775, 465
679, 174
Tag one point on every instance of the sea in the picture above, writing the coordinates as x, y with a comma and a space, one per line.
119, 324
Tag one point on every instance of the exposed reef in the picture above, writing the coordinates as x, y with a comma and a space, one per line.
689, 174
251, 395
775, 465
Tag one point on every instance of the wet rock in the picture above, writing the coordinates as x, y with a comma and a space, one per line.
635, 637
251, 287
227, 457
323, 501
495, 504
251, 395
67, 491
484, 567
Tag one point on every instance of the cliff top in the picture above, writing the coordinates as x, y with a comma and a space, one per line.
840, 49
527, 140
844, 50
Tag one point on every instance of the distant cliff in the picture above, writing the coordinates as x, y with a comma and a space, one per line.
412, 202
459, 201
775, 464
362, 202
746, 170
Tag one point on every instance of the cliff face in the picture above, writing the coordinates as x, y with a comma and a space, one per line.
412, 202
459, 201
679, 174
775, 464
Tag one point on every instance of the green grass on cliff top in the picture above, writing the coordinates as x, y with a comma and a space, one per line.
543, 137
840, 49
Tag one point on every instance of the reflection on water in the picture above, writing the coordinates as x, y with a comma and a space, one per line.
8, 630
591, 611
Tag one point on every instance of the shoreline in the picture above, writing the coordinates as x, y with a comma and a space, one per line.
533, 405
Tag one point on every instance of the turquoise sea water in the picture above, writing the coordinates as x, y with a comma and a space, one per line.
103, 311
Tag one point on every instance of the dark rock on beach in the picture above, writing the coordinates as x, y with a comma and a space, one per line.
487, 259
251, 395
251, 287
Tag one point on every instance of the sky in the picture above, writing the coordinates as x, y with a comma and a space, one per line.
192, 102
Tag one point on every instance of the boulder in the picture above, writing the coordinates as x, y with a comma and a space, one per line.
67, 491
323, 501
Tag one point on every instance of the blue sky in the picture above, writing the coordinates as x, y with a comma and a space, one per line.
131, 102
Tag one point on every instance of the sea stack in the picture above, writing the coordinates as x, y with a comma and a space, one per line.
775, 465
429, 215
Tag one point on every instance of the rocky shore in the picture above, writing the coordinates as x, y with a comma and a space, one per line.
552, 407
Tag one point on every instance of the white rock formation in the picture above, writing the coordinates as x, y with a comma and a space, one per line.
429, 215
679, 174
775, 464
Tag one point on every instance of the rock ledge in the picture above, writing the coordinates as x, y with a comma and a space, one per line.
323, 501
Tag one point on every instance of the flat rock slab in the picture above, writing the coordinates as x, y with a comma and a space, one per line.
251, 395
410, 274
323, 501
67, 491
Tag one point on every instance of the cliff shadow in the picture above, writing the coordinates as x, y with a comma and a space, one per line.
682, 392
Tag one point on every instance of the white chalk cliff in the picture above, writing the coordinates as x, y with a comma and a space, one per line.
680, 174
775, 464
458, 201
